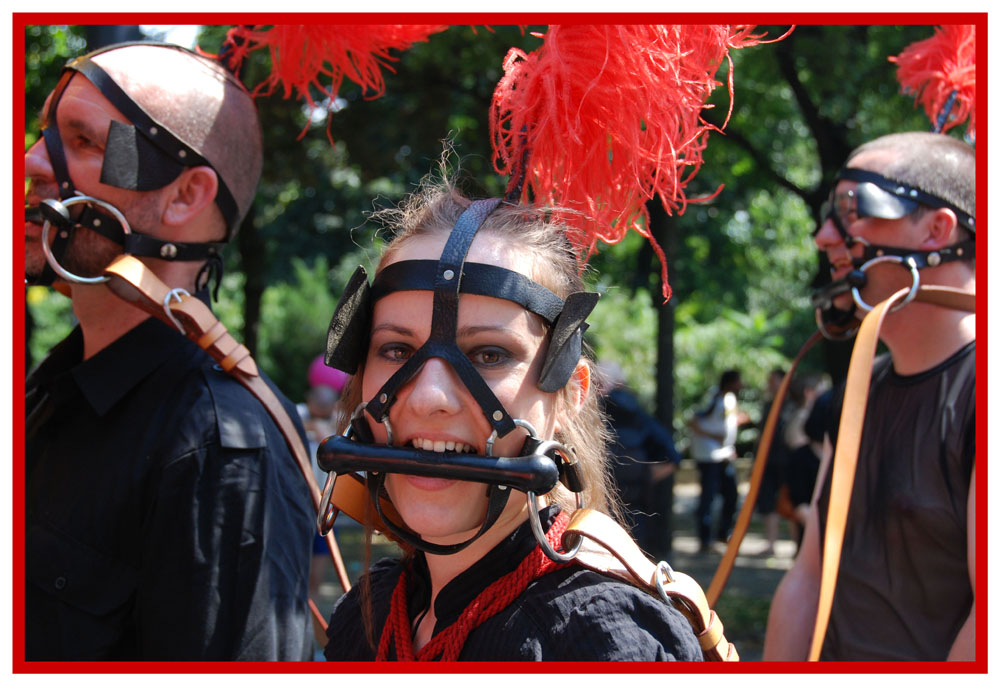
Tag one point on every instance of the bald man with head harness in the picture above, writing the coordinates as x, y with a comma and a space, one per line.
165, 518
901, 214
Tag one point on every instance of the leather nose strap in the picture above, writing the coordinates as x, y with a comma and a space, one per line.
444, 327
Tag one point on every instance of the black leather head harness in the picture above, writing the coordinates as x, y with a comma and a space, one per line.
541, 463
143, 155
881, 197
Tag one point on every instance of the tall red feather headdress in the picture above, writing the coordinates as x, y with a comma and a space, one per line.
603, 118
940, 72
304, 56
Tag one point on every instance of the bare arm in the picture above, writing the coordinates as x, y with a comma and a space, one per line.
792, 617
964, 647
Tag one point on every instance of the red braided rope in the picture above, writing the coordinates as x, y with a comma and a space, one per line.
501, 593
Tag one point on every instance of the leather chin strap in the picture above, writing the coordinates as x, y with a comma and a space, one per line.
347, 344
144, 155
496, 499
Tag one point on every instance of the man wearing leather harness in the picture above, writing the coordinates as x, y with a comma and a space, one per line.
902, 213
164, 515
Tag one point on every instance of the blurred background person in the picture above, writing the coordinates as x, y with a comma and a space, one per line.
713, 446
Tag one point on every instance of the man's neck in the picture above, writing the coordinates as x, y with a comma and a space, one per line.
104, 317
925, 336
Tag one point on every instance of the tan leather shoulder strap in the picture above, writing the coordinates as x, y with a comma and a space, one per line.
138, 285
608, 549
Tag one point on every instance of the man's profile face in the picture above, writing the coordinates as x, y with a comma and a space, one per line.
84, 117
906, 232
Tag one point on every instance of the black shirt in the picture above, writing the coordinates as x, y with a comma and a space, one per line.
165, 516
903, 589
571, 613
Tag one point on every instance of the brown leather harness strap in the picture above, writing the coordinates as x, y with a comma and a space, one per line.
756, 476
616, 554
136, 284
849, 439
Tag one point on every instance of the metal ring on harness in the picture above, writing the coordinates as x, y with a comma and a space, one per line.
914, 274
845, 335
524, 424
535, 520
326, 516
47, 250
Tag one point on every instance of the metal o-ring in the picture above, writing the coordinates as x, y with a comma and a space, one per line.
896, 259
47, 249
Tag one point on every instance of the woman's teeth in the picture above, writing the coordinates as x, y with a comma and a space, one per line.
441, 446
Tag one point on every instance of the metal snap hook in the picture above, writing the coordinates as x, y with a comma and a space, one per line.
896, 259
47, 225
664, 574
327, 512
175, 295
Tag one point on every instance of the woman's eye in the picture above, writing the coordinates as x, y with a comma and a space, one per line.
395, 352
489, 357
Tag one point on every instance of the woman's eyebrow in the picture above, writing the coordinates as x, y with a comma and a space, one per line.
472, 330
393, 328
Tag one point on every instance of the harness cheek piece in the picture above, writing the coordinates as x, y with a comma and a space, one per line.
540, 465
141, 156
881, 197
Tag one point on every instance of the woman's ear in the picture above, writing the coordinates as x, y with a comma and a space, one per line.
189, 194
575, 392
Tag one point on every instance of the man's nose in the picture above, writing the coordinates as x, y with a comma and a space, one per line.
37, 167
436, 388
828, 236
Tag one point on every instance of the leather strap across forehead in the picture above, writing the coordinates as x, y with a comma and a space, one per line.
476, 279
907, 193
129, 157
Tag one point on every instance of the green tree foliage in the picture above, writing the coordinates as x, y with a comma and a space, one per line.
741, 264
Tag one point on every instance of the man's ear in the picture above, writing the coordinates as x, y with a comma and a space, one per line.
941, 227
189, 194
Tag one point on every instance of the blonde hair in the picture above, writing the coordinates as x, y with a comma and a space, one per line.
434, 208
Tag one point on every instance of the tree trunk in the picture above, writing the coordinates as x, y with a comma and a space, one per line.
664, 230
253, 259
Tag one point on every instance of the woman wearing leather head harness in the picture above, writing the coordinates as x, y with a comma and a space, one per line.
469, 591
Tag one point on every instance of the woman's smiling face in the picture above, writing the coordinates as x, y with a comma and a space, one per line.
434, 410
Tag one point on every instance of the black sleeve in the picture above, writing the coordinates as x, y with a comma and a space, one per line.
227, 547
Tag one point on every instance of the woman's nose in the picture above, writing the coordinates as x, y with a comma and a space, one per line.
436, 388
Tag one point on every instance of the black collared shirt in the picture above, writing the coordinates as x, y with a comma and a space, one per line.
165, 517
569, 614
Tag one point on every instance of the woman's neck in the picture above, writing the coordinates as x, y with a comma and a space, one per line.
444, 568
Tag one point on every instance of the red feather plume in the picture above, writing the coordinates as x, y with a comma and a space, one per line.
306, 55
941, 74
602, 118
